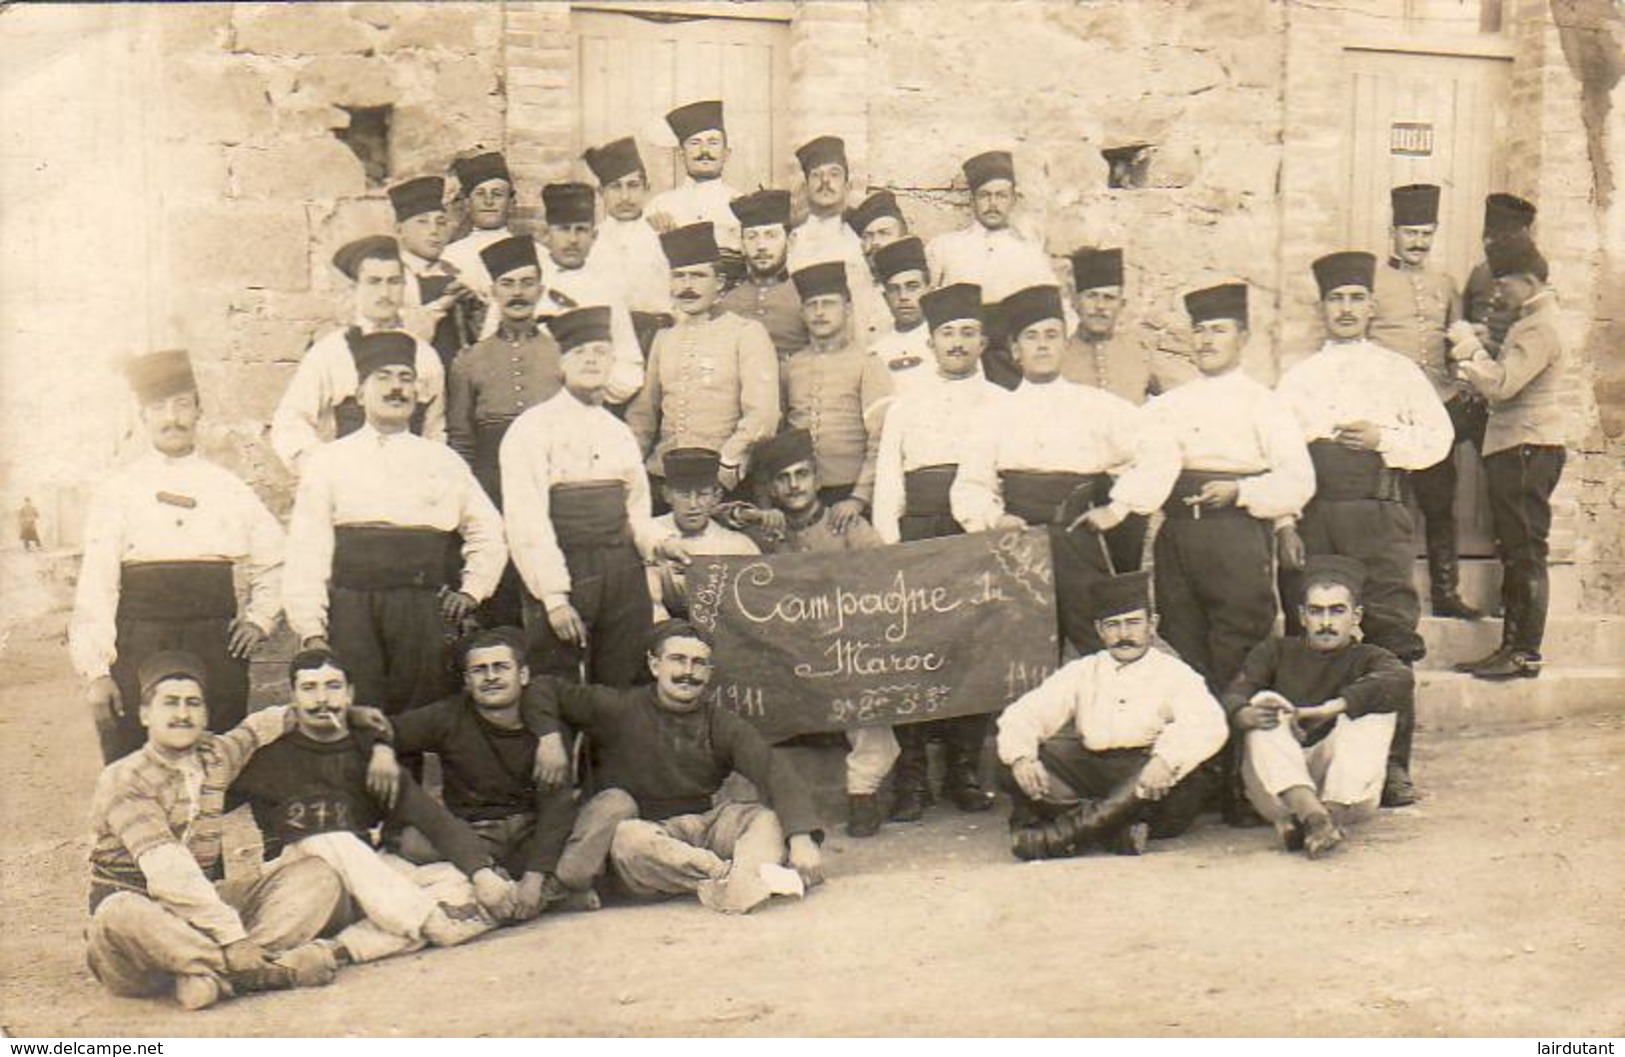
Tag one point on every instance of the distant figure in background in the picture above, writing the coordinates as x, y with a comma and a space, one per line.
28, 525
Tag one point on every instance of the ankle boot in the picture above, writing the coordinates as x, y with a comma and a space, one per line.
960, 782
1091, 822
911, 785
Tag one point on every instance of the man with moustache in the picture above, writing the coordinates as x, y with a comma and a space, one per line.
989, 253
766, 295
439, 307
1110, 750
1415, 307
1097, 353
320, 404
713, 378
829, 388
486, 757
825, 235
703, 196
486, 191
1318, 713
1368, 416
906, 351
161, 918
663, 754
693, 495
578, 517
164, 538
627, 245
1085, 463
373, 539
921, 446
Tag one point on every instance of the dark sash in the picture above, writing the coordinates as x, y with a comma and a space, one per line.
1040, 497
1189, 483
925, 490
1342, 473
201, 590
380, 557
589, 514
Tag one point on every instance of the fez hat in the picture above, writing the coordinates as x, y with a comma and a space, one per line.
1504, 213
694, 118
904, 255
1334, 569
505, 255
989, 165
948, 303
760, 208
827, 277
691, 467
821, 151
1117, 595
691, 244
1092, 268
160, 375
385, 348
423, 194
614, 160
1516, 255
170, 664
1415, 204
880, 204
1345, 268
776, 454
1025, 307
349, 256
1225, 301
481, 168
568, 203
578, 326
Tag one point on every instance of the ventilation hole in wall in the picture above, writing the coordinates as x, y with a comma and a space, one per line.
368, 138
1128, 167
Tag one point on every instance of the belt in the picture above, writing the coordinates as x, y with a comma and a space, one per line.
589, 514
925, 490
1189, 483
1052, 497
1342, 473
200, 590
380, 557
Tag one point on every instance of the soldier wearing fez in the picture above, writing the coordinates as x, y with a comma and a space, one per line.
877, 221
1369, 415
693, 493
703, 196
1506, 218
626, 245
767, 295
440, 308
1109, 751
486, 191
905, 350
1099, 353
162, 540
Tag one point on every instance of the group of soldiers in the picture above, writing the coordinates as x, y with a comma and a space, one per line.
474, 566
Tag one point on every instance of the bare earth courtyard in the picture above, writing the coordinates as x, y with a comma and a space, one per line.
1493, 908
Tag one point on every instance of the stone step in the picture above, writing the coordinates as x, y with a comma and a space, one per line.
1480, 585
1570, 640
1450, 701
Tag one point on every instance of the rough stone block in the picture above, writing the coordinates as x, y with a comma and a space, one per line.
214, 101
184, 28
347, 80
299, 29
240, 244
301, 170
442, 27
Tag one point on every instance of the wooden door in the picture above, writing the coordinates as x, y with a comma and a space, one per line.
635, 68
1427, 118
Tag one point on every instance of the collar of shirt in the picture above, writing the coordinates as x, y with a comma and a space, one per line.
368, 432
1536, 303
367, 326
422, 265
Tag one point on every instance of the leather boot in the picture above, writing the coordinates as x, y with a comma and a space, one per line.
1091, 822
1512, 664
1444, 570
960, 783
863, 815
911, 784
1397, 788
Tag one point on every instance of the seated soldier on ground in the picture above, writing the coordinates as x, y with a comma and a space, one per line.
486, 757
1318, 713
662, 752
1112, 749
162, 921
313, 799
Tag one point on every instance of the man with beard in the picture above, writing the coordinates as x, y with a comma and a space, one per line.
486, 190
693, 494
663, 753
829, 388
486, 756
1318, 713
1097, 353
439, 307
921, 446
320, 404
1368, 415
713, 379
788, 468
1109, 751
1415, 307
766, 294
319, 792
372, 536
1088, 464
703, 197
578, 517
627, 245
163, 539
161, 919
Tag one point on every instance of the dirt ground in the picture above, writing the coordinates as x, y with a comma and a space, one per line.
1493, 908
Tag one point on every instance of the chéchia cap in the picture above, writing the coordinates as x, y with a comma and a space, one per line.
1117, 595
826, 277
349, 256
691, 119
423, 194
775, 454
880, 204
989, 165
1345, 268
170, 664
1225, 301
1093, 267
159, 375
384, 348
904, 255
1032, 305
614, 160
579, 326
824, 150
948, 303
691, 467
478, 169
569, 203
691, 244
1415, 204
761, 208
1504, 213
506, 255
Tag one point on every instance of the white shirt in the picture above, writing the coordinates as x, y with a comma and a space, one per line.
398, 480
303, 419
910, 364
128, 522
692, 202
831, 238
464, 256
924, 427
1061, 426
631, 250
715, 540
1233, 424
1360, 380
1000, 262
1157, 701
564, 441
